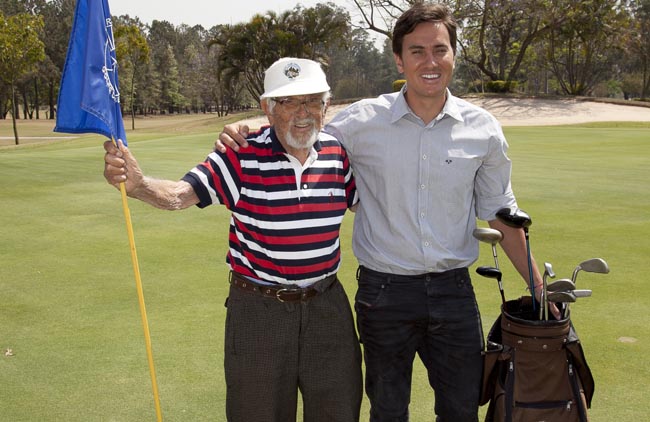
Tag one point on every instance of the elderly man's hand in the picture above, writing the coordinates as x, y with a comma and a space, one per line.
121, 167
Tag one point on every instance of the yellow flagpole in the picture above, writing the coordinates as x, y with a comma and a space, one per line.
143, 309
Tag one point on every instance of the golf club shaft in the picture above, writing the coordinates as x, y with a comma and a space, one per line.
530, 268
543, 305
503, 296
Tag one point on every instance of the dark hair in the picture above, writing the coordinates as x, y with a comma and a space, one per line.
421, 13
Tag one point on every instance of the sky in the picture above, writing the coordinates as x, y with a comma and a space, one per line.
208, 12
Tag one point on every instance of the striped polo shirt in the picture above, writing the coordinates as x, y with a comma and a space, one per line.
285, 219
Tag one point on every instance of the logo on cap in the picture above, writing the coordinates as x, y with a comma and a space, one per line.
292, 70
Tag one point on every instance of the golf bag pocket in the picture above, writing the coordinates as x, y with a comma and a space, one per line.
545, 396
491, 356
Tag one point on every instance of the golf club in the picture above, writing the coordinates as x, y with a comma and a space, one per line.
492, 272
514, 217
577, 294
581, 293
563, 284
562, 297
491, 236
543, 308
566, 297
593, 265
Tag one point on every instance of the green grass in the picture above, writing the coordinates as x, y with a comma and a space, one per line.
69, 307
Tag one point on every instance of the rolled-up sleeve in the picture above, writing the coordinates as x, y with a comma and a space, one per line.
493, 179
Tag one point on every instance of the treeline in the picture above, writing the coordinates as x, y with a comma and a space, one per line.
166, 69
568, 47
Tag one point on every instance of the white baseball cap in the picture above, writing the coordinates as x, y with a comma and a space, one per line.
291, 76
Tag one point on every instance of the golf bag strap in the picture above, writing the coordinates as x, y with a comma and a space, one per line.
577, 356
510, 389
582, 411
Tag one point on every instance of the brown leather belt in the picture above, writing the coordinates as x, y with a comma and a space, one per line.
281, 292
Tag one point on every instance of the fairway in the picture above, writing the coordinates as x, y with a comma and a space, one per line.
69, 313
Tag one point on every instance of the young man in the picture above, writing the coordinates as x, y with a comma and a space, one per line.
289, 325
427, 165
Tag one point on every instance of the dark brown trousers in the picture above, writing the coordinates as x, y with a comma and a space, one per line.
274, 349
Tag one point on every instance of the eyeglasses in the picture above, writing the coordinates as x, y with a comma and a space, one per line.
292, 105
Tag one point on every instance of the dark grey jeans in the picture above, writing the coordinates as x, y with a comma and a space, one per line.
274, 349
433, 315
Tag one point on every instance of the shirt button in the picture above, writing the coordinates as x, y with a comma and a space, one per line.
426, 244
424, 156
423, 187
422, 214
304, 186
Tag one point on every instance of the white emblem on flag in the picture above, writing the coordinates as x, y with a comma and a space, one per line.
110, 63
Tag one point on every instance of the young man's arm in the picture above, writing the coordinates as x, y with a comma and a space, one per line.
233, 136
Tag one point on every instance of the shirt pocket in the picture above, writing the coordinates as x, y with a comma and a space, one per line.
454, 179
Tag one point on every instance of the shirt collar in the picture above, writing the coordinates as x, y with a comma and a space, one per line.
401, 109
451, 108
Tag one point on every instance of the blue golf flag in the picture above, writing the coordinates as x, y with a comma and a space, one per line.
89, 96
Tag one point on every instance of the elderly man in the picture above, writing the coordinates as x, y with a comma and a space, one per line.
289, 325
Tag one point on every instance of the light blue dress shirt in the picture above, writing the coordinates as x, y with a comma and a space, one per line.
422, 186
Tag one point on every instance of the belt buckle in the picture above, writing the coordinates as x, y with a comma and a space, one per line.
285, 290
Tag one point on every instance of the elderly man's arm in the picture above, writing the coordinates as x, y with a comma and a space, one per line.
120, 166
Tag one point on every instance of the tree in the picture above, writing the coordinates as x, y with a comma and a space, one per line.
191, 55
163, 37
20, 49
132, 53
380, 15
581, 50
170, 91
318, 29
57, 16
496, 34
249, 49
638, 46
360, 70
226, 88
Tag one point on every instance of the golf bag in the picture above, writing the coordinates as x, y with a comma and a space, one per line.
534, 370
